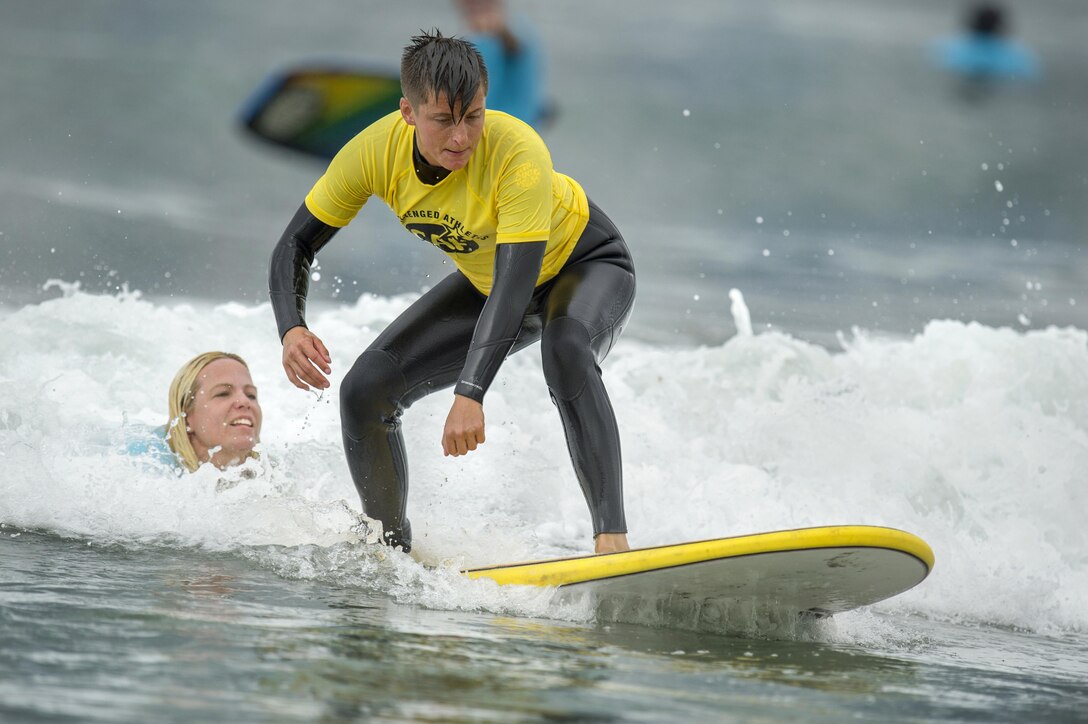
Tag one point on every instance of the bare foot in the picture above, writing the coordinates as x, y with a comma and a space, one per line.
610, 543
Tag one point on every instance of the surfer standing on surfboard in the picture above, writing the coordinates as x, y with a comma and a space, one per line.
536, 260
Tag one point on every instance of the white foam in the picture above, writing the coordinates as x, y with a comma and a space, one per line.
974, 438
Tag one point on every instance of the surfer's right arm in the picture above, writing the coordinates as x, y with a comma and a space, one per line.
304, 354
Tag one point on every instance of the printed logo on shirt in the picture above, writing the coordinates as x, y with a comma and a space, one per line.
444, 237
527, 174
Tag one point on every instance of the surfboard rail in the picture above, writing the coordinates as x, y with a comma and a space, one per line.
580, 569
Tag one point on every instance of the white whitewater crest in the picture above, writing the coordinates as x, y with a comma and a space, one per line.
742, 318
971, 437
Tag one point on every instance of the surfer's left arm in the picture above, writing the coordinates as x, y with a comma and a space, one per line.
517, 268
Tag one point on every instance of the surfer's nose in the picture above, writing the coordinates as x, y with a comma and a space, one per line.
459, 137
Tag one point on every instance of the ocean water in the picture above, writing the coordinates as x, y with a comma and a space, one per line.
860, 303
128, 590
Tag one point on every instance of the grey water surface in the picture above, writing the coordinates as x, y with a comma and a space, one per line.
110, 633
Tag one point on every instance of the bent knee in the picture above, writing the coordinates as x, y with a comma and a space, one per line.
371, 390
567, 356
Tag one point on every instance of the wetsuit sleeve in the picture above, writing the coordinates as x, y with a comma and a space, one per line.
517, 267
289, 271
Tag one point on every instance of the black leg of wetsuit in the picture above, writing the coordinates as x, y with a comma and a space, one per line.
586, 311
421, 351
370, 408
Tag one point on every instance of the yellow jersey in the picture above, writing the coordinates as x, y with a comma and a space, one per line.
507, 193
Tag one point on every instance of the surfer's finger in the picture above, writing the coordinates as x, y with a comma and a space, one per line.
306, 372
316, 354
294, 377
323, 351
456, 443
312, 376
449, 445
294, 380
475, 438
308, 363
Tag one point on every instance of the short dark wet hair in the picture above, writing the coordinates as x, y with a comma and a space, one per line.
433, 63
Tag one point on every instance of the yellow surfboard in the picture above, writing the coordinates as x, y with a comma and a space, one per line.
822, 570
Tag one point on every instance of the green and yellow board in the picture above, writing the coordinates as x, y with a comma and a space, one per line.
316, 108
822, 570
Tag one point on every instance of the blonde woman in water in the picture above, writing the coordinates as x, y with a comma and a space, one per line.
214, 413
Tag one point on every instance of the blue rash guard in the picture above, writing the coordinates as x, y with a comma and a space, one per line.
515, 79
150, 442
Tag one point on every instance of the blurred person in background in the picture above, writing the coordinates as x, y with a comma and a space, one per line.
514, 58
984, 55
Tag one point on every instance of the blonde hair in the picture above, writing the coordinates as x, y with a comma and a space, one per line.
182, 396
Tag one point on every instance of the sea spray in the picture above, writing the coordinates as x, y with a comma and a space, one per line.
742, 318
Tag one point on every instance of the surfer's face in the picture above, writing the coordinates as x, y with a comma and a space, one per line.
225, 416
446, 139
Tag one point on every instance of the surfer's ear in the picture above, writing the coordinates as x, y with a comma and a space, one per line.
406, 112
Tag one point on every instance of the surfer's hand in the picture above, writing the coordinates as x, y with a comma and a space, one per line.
305, 358
464, 427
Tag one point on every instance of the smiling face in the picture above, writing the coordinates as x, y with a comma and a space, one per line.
446, 138
224, 415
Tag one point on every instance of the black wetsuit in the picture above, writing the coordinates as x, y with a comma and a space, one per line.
453, 329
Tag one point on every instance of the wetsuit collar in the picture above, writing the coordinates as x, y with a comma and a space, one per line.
425, 172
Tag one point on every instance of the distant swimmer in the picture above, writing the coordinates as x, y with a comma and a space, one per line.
214, 415
984, 53
535, 260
